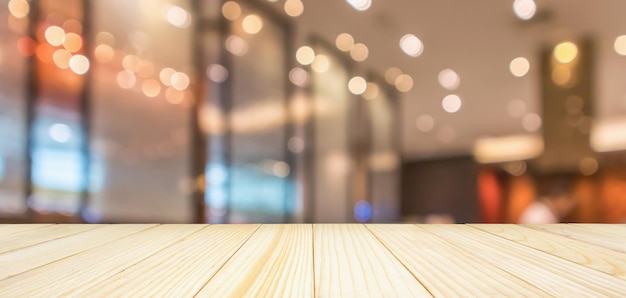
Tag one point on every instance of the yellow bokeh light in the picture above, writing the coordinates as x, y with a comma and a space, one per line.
73, 42
392, 74
404, 83
372, 91
62, 58
55, 35
104, 53
344, 42
357, 85
19, 8
231, 10
180, 81
565, 52
320, 64
252, 24
305, 55
79, 64
294, 8
620, 45
562, 75
151, 88
359, 52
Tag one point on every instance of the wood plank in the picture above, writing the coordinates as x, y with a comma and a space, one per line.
36, 236
608, 240
276, 261
22, 260
552, 274
81, 271
588, 255
351, 262
180, 270
616, 229
447, 270
16, 228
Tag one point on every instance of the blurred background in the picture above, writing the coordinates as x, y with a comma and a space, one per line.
272, 111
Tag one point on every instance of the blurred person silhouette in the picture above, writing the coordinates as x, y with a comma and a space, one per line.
552, 206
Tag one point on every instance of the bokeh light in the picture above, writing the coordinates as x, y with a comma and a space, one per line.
79, 64
531, 122
106, 38
252, 24
524, 9
360, 5
104, 53
126, 79
451, 103
61, 58
73, 42
19, 8
516, 108
357, 85
151, 88
55, 35
299, 77
588, 166
180, 81
562, 75
565, 52
231, 10
362, 211
216, 73
519, 67
166, 76
131, 63
60, 132
425, 123
391, 74
320, 64
344, 42
446, 134
305, 55
174, 96
449, 79
372, 91
294, 8
177, 16
411, 45
404, 83
359, 52
620, 45
236, 45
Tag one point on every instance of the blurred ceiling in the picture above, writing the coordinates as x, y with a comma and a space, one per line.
478, 40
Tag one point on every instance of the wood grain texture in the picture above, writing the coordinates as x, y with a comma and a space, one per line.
68, 276
9, 229
277, 261
593, 236
616, 229
22, 260
36, 236
180, 270
588, 255
446, 269
351, 262
552, 274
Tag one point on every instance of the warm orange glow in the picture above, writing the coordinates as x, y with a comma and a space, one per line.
294, 8
562, 75
104, 53
392, 74
344, 42
404, 83
44, 53
73, 26
180, 81
372, 91
62, 58
26, 46
359, 52
252, 24
565, 52
73, 42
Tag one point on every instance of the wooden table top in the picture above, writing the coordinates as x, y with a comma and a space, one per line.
305, 260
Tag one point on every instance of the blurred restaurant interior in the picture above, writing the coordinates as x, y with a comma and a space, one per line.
288, 111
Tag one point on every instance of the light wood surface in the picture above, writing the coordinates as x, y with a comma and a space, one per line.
305, 260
